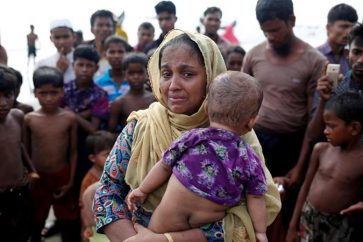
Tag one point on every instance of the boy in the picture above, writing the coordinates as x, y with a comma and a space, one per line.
112, 81
22, 106
134, 66
210, 168
234, 58
87, 100
145, 36
15, 203
63, 38
333, 185
99, 145
51, 138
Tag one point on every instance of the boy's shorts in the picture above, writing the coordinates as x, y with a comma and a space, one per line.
319, 226
66, 207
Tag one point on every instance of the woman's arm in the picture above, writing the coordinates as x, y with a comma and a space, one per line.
112, 216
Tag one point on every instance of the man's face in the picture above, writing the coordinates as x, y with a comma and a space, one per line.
278, 32
356, 58
338, 32
63, 39
145, 36
212, 22
166, 21
102, 28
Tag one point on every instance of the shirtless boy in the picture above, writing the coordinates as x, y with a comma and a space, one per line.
333, 185
134, 66
51, 136
14, 193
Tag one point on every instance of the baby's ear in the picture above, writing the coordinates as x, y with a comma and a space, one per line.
356, 128
205, 106
251, 123
91, 157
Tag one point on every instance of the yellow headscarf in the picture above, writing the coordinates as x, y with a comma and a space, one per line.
157, 127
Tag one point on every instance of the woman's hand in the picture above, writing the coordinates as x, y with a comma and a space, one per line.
135, 198
145, 235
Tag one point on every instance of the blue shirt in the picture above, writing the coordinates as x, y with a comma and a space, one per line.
343, 61
111, 87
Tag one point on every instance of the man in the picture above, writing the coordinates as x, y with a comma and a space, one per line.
212, 22
62, 36
31, 39
166, 14
353, 81
287, 69
341, 19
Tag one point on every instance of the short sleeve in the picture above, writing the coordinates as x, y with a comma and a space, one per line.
176, 150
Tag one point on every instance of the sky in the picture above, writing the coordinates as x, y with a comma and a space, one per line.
17, 15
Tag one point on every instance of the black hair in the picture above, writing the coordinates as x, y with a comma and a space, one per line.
147, 25
8, 82
212, 10
165, 6
103, 13
19, 77
347, 106
183, 39
99, 141
271, 9
342, 12
356, 34
47, 75
87, 52
134, 57
235, 49
114, 39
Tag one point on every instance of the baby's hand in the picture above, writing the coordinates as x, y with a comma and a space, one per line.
135, 198
261, 237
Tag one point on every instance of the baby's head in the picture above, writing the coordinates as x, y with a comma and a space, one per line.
234, 99
99, 145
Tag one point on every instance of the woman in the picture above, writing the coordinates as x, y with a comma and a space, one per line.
181, 70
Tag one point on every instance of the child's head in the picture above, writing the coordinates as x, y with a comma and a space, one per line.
116, 48
8, 84
234, 99
343, 116
234, 58
99, 145
19, 82
145, 33
85, 63
48, 87
134, 67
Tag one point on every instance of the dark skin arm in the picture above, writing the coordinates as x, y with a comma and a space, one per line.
25, 147
89, 126
72, 158
313, 167
115, 114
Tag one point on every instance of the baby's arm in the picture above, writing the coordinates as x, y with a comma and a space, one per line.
156, 177
257, 209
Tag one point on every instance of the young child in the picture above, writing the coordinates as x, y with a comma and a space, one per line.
99, 145
15, 203
234, 58
51, 138
134, 66
87, 100
22, 106
145, 36
112, 81
333, 184
209, 168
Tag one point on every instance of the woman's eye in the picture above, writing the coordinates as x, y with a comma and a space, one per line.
188, 74
165, 74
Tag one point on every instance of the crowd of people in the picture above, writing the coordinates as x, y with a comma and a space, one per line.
187, 137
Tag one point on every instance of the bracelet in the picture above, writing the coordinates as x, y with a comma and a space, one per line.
168, 237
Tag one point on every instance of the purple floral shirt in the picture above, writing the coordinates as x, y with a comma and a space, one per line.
216, 164
93, 98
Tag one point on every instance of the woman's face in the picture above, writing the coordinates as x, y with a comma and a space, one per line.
183, 79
